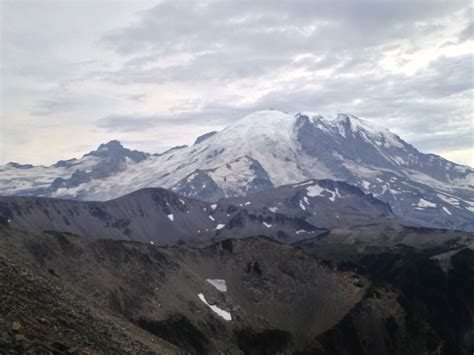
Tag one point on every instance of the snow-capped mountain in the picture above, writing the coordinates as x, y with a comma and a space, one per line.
268, 149
108, 159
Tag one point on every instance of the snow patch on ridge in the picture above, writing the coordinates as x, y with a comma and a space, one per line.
315, 190
424, 203
220, 312
219, 284
446, 210
448, 199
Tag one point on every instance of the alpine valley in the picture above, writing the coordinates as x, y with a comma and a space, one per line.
281, 234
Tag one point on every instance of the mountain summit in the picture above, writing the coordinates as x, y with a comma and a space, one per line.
268, 149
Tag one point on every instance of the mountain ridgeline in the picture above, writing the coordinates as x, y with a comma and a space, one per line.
263, 150
154, 215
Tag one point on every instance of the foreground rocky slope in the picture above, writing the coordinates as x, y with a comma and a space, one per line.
40, 314
288, 213
252, 296
269, 149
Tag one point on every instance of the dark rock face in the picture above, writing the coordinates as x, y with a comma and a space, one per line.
172, 149
200, 186
261, 180
446, 295
319, 139
203, 137
362, 333
180, 331
339, 146
6, 215
322, 144
267, 342
19, 166
114, 150
77, 178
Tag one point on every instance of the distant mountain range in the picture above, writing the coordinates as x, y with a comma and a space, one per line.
262, 151
288, 214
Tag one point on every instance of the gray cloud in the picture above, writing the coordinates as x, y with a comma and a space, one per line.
138, 97
241, 39
209, 115
54, 105
282, 26
126, 123
467, 33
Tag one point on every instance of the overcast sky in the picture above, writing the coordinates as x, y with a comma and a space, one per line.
75, 74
